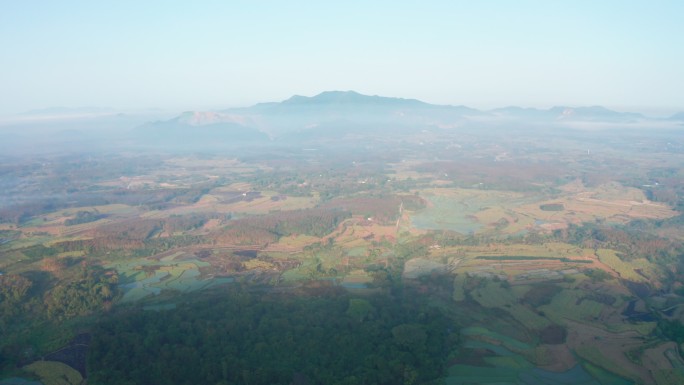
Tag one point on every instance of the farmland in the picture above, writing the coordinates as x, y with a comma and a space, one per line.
528, 270
475, 210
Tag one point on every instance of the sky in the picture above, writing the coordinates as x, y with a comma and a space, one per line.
626, 55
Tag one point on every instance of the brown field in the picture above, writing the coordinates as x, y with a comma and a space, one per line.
237, 186
521, 272
212, 204
607, 350
265, 204
556, 358
293, 243
360, 232
507, 212
611, 202
53, 223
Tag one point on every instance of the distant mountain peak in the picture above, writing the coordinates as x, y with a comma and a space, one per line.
335, 93
350, 98
593, 113
202, 118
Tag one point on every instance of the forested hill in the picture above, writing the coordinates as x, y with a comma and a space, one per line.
323, 336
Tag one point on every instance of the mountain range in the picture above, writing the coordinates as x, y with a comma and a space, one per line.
331, 116
336, 114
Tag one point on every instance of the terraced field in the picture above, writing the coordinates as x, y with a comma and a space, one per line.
140, 279
503, 360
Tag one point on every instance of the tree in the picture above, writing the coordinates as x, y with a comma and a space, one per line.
410, 336
92, 292
13, 288
359, 309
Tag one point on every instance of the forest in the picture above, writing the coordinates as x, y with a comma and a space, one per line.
317, 336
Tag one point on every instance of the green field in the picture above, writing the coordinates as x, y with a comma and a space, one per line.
181, 276
627, 269
504, 364
449, 212
570, 303
54, 373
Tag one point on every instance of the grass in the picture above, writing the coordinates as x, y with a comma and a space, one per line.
493, 295
565, 305
643, 328
508, 342
297, 242
604, 377
506, 367
54, 373
513, 361
626, 269
476, 344
598, 363
553, 250
182, 276
530, 258
351, 235
265, 204
418, 267
454, 209
502, 219
459, 291
294, 275
258, 264
356, 279
173, 256
668, 377
467, 374
527, 317
358, 251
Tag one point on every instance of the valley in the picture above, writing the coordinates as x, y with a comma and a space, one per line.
527, 257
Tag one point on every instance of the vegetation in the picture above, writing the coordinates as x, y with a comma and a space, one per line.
13, 288
552, 207
94, 290
541, 294
228, 268
54, 373
83, 217
597, 275
321, 337
529, 258
672, 330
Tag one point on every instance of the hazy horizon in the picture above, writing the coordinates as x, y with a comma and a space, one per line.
48, 113
126, 55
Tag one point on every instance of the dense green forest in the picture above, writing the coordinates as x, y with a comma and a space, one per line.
322, 336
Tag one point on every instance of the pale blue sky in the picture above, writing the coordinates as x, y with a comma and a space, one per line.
215, 54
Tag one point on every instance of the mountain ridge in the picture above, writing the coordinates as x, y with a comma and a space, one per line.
336, 114
351, 98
